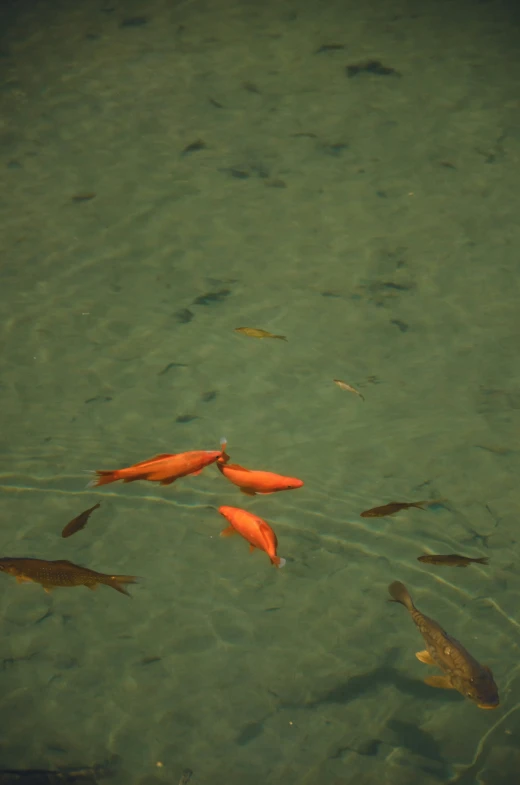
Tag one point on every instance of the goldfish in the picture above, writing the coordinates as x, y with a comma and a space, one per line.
79, 522
253, 482
348, 388
254, 332
52, 574
164, 468
451, 560
461, 671
255, 530
391, 509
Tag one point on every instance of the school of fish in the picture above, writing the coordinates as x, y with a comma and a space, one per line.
460, 670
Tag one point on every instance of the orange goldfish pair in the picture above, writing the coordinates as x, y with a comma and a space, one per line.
167, 468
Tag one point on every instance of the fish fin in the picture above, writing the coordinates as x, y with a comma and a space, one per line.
278, 561
92, 586
441, 682
419, 505
426, 657
251, 548
48, 589
23, 579
237, 466
399, 593
228, 532
248, 491
169, 480
483, 560
155, 458
117, 581
224, 458
280, 337
103, 478
195, 474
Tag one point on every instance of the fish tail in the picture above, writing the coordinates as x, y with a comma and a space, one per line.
280, 337
117, 581
278, 561
399, 593
483, 560
103, 478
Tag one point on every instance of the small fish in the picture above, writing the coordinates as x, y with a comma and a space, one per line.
253, 482
461, 671
256, 531
451, 560
254, 332
61, 573
164, 468
79, 522
391, 508
348, 388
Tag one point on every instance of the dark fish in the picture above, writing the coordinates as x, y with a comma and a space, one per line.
211, 297
90, 775
134, 21
370, 67
61, 573
198, 144
451, 560
329, 48
391, 508
83, 197
461, 671
78, 523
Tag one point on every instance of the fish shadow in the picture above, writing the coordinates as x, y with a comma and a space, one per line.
371, 681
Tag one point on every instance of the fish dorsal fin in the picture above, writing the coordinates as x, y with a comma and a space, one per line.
160, 457
267, 531
236, 466
64, 563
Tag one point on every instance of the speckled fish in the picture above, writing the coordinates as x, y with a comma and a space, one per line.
348, 388
391, 509
461, 671
164, 468
79, 522
451, 560
254, 332
61, 573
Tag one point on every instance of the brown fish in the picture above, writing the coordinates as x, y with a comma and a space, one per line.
79, 522
391, 508
451, 560
61, 573
254, 332
461, 671
348, 388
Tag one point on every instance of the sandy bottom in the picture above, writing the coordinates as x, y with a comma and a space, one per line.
373, 221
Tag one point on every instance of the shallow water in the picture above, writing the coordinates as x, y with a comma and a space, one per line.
373, 221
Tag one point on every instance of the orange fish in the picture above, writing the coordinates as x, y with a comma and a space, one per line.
165, 468
253, 482
256, 531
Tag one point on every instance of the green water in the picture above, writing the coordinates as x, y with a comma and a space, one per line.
372, 220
